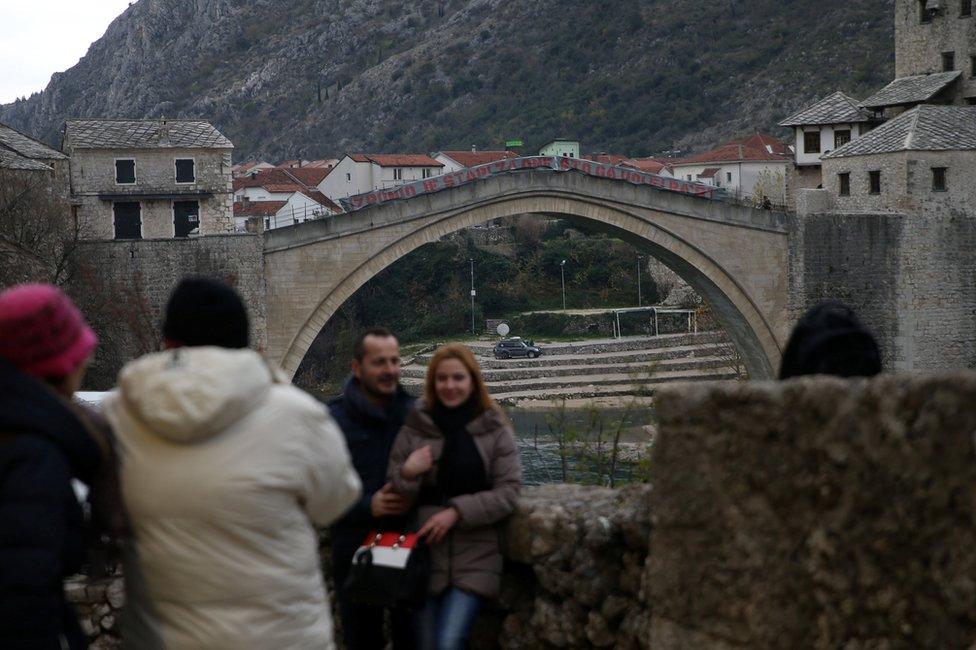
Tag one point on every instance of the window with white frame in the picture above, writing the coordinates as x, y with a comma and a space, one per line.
398, 174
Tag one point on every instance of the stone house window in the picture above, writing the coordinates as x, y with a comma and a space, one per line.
925, 16
185, 170
844, 181
125, 171
948, 61
398, 174
841, 138
965, 8
811, 142
972, 66
874, 181
127, 218
939, 179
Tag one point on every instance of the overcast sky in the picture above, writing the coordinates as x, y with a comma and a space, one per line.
41, 37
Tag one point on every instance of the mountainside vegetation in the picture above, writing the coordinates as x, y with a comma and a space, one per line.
316, 78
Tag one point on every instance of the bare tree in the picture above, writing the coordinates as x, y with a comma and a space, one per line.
38, 233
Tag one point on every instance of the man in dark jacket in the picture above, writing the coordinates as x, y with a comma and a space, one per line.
370, 412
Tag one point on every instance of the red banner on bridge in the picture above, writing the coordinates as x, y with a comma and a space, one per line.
509, 165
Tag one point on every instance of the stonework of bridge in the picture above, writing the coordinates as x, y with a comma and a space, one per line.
736, 257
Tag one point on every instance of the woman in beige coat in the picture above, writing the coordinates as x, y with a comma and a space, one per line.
456, 459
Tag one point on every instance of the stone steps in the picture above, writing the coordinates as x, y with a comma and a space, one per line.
556, 362
636, 371
602, 346
605, 390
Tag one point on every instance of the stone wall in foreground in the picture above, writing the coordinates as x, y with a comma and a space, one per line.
815, 514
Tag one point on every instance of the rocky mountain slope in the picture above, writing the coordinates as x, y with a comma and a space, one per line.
284, 78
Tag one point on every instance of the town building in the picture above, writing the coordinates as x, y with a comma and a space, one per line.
753, 169
455, 160
250, 167
921, 158
921, 161
659, 166
280, 197
937, 36
23, 153
357, 173
561, 147
134, 179
822, 127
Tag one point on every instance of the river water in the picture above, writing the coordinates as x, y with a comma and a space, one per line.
575, 445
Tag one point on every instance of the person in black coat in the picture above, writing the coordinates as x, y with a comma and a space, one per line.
45, 443
370, 411
830, 340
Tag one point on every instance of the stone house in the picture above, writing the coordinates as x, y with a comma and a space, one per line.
922, 161
24, 154
822, 127
358, 173
936, 36
149, 179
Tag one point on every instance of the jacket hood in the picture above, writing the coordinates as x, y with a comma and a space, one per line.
190, 394
830, 340
29, 407
487, 422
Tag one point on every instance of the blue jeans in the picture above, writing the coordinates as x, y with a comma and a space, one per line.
445, 621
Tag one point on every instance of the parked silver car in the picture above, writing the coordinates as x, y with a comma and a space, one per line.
514, 348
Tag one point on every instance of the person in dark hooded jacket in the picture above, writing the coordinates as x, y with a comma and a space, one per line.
45, 443
830, 340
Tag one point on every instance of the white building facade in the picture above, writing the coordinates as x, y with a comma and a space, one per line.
361, 173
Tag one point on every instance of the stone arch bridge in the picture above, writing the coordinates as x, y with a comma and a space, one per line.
736, 257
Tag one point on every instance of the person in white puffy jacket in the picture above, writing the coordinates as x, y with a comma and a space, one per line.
226, 471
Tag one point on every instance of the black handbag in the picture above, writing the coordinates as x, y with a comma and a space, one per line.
390, 569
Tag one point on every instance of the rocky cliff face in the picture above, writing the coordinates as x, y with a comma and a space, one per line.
318, 77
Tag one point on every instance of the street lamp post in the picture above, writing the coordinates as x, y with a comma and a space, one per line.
562, 275
639, 298
472, 294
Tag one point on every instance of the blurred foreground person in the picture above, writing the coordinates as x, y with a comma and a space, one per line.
46, 441
830, 340
370, 411
226, 471
457, 460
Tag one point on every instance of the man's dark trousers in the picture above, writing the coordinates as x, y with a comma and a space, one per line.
369, 430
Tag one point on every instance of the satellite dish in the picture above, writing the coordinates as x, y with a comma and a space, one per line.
503, 329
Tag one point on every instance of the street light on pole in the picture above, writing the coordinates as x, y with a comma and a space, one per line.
471, 259
562, 275
639, 298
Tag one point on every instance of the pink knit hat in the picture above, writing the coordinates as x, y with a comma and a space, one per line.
42, 332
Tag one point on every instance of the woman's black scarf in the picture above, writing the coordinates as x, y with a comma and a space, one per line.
461, 469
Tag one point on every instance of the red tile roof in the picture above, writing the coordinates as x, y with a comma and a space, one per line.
298, 178
731, 152
606, 158
651, 165
322, 199
767, 142
396, 159
709, 172
327, 163
474, 158
257, 208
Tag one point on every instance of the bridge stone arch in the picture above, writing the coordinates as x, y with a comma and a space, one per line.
735, 257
